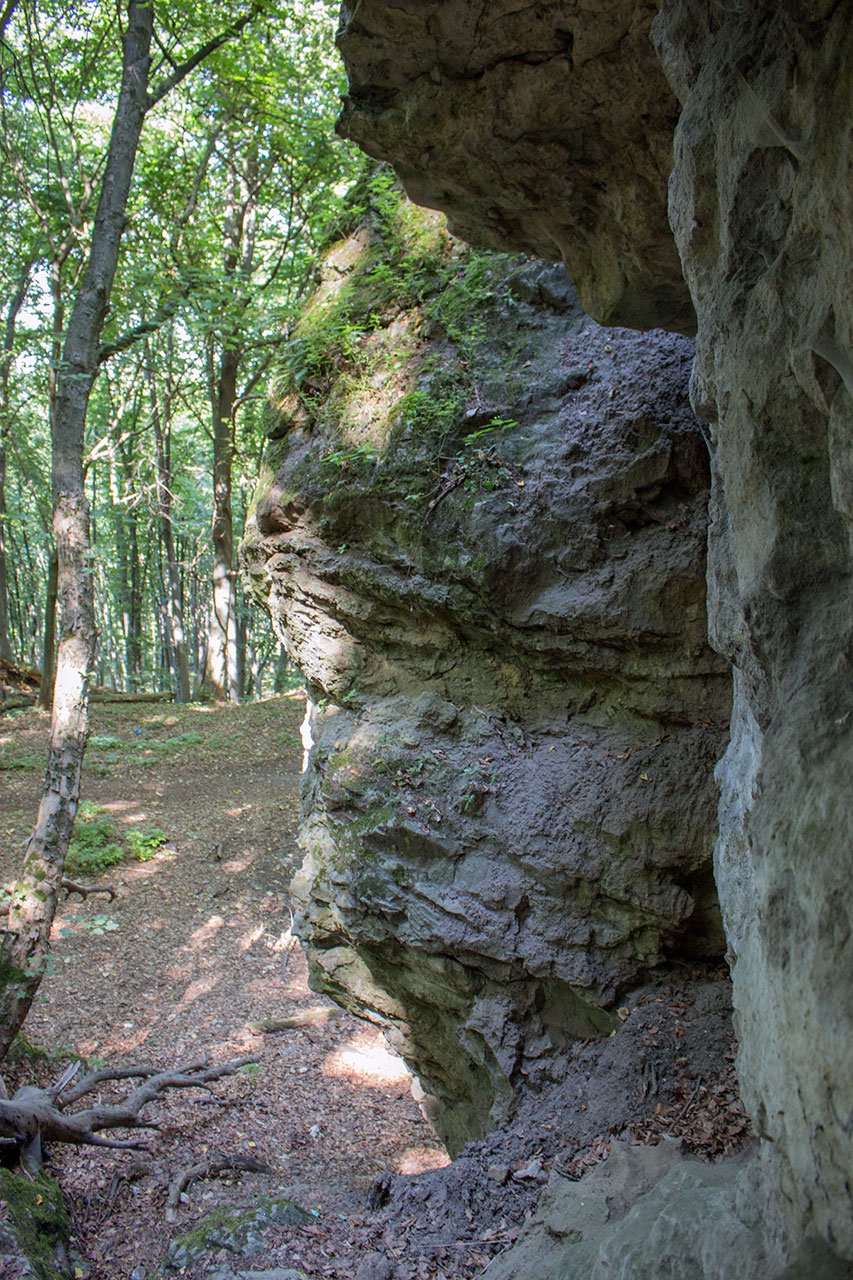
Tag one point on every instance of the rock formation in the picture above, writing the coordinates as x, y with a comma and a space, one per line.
509, 122
760, 205
762, 208
483, 543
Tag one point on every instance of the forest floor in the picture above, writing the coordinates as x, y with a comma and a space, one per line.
193, 952
196, 949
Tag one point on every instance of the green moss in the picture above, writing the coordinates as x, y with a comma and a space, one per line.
237, 1230
39, 1222
402, 876
387, 367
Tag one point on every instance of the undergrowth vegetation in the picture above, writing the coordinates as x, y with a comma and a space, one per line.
98, 842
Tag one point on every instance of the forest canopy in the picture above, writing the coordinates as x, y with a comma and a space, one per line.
237, 179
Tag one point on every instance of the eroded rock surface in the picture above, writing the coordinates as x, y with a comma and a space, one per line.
762, 206
500, 606
543, 127
761, 209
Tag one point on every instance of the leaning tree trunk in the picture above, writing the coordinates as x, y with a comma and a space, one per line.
25, 941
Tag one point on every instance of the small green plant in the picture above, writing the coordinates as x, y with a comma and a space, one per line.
357, 455
95, 845
144, 843
496, 424
97, 925
105, 741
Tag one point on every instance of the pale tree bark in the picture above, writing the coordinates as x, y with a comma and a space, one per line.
48, 646
222, 664
223, 653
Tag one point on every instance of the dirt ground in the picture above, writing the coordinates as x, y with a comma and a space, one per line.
196, 949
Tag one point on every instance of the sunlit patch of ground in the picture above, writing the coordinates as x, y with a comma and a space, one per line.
366, 1059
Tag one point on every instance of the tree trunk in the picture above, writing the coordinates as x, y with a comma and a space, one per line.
6, 355
48, 652
223, 659
127, 545
222, 651
25, 943
6, 649
177, 643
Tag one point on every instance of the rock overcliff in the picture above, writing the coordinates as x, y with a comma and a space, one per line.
541, 127
760, 206
482, 540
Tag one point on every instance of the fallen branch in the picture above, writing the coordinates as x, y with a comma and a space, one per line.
304, 1018
116, 695
18, 700
34, 1115
71, 886
208, 1167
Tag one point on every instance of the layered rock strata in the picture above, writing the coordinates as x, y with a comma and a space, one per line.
760, 203
499, 606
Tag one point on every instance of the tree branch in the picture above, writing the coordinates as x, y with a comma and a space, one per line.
36, 1114
6, 15
184, 68
141, 330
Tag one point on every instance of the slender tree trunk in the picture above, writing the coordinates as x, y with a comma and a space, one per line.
15, 304
127, 529
6, 647
282, 668
25, 942
48, 649
177, 644
222, 664
30, 629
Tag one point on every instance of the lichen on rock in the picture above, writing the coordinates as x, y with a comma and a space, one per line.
482, 541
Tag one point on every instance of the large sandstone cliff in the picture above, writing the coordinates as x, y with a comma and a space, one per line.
483, 543
760, 205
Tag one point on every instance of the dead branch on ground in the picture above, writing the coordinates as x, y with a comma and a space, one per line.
71, 886
303, 1018
206, 1169
37, 1115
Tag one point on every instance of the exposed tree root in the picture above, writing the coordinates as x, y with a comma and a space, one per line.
71, 886
35, 1115
205, 1169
